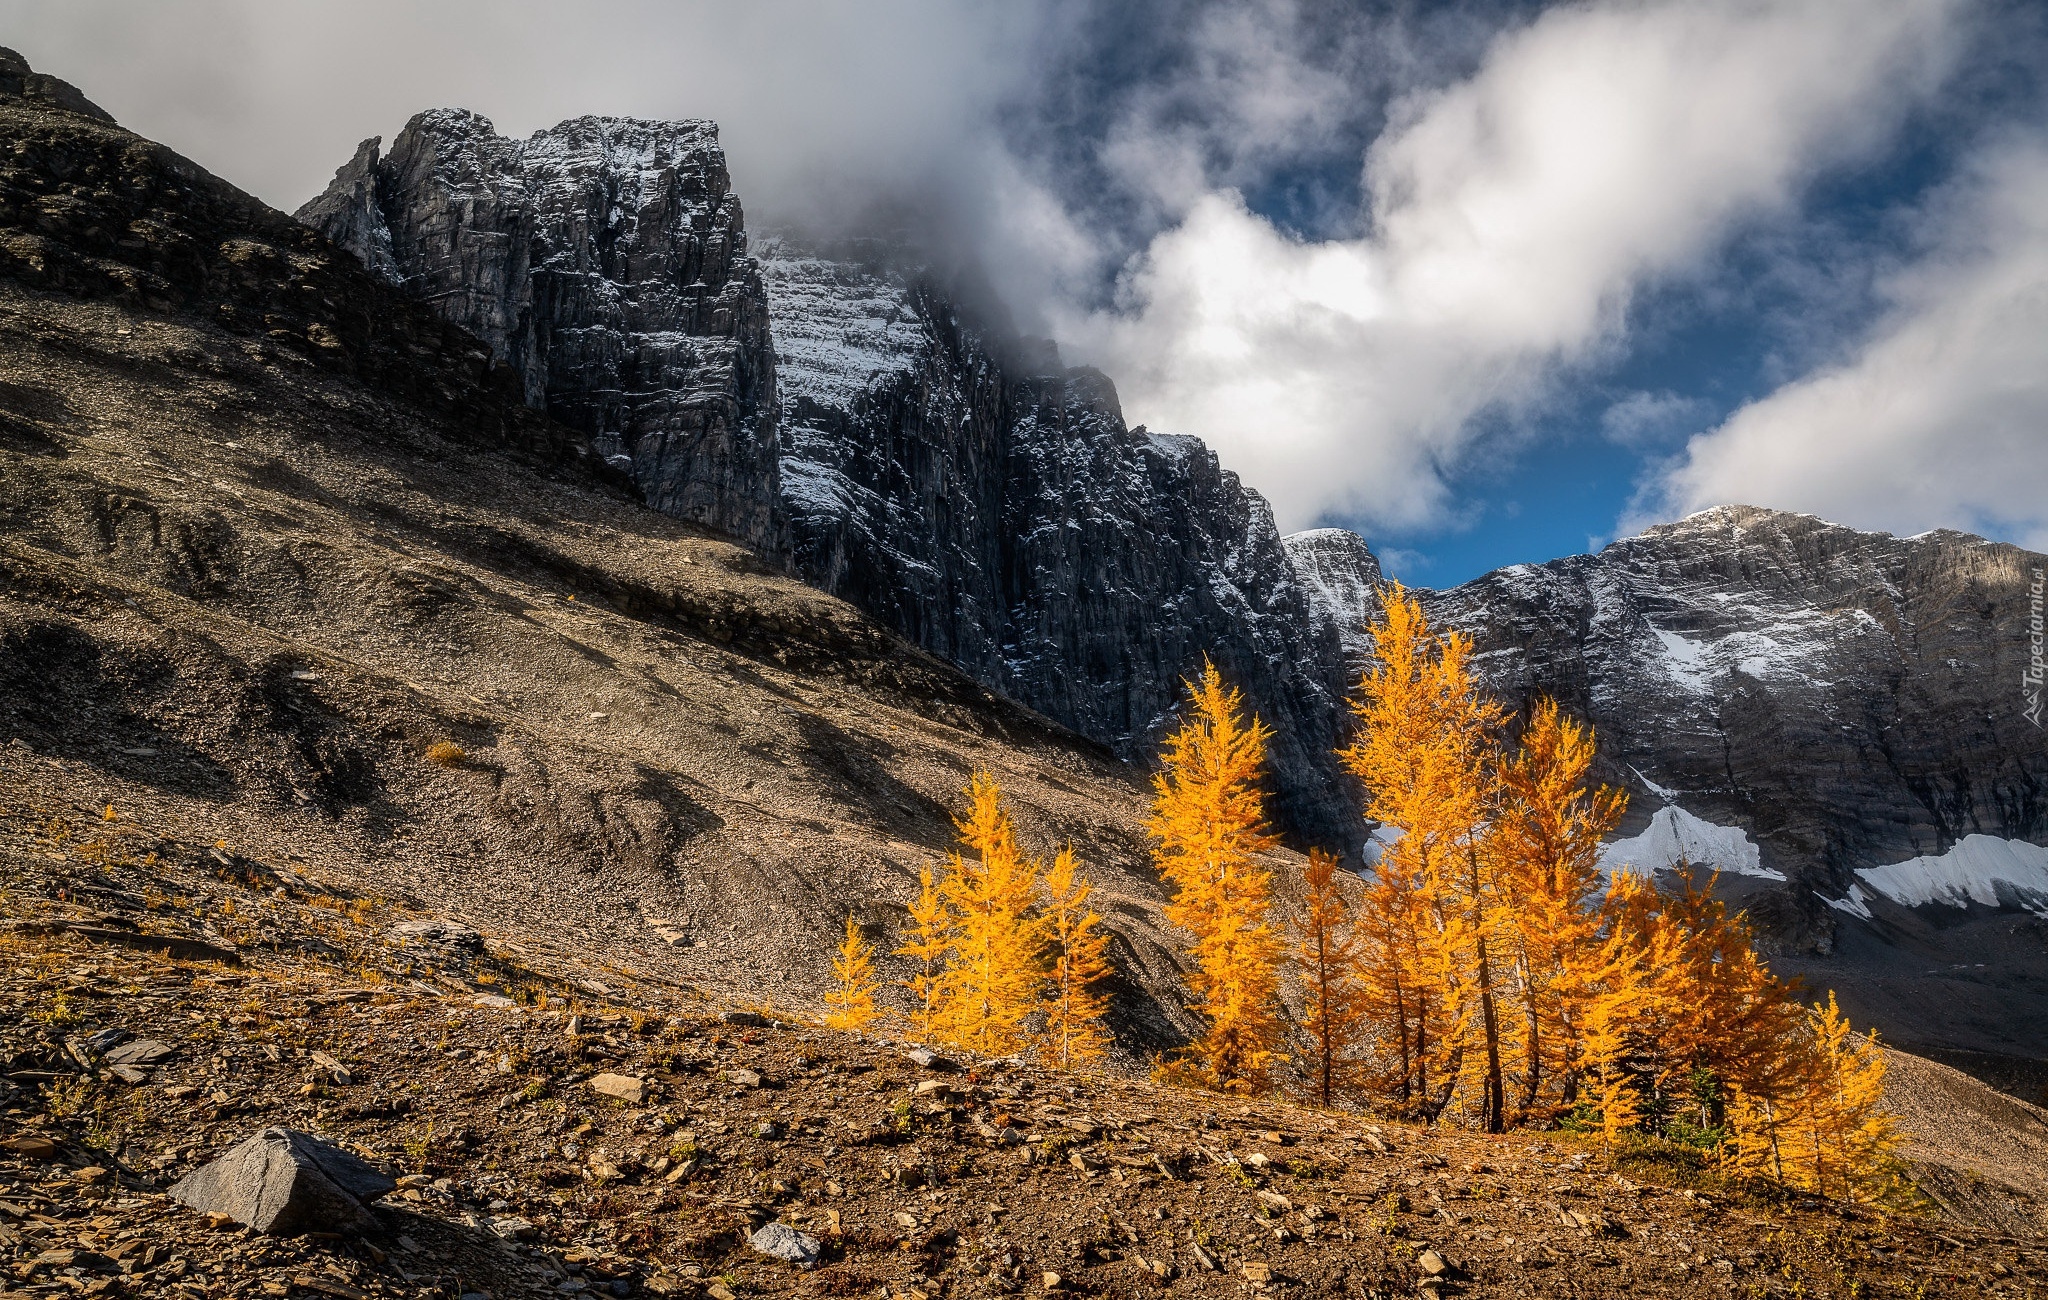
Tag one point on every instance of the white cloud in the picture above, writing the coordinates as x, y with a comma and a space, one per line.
1941, 417
813, 100
1644, 419
1511, 218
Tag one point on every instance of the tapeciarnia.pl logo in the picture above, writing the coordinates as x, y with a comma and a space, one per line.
2037, 663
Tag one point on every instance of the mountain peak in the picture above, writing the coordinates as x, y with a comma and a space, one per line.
18, 80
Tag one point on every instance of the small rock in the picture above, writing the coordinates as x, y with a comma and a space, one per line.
623, 1086
747, 1019
931, 1061
493, 1002
744, 1078
1257, 1160
1257, 1274
719, 1291
31, 1146
927, 1087
768, 1131
138, 1052
1052, 1280
779, 1240
335, 1069
906, 1220
281, 1181
1275, 1200
1432, 1263
511, 1227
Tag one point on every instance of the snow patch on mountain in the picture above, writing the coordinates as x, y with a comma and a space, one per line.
1666, 793
1674, 836
838, 326
1981, 869
1341, 578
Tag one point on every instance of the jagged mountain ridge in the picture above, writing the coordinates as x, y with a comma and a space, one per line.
1849, 698
943, 473
960, 483
605, 262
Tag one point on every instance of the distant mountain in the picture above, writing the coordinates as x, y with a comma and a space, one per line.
1790, 700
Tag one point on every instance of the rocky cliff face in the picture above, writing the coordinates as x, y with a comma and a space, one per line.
934, 468
991, 503
1850, 699
605, 260
1341, 577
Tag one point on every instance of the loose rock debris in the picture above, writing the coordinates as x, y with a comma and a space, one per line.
725, 1159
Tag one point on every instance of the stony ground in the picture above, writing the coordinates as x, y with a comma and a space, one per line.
470, 1066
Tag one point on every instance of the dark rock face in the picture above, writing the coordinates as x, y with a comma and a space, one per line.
1850, 699
19, 80
90, 210
282, 1181
944, 474
604, 260
959, 482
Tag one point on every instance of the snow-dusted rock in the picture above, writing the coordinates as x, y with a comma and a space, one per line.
1846, 698
606, 260
1675, 837
962, 484
1341, 577
1982, 870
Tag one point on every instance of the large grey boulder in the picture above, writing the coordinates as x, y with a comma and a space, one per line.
785, 1243
284, 1182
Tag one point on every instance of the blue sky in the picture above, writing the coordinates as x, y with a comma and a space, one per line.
1773, 303
1489, 282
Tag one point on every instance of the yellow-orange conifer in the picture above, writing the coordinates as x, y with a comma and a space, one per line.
853, 1001
1073, 1007
931, 935
990, 984
1209, 818
1328, 958
1547, 833
1425, 753
1839, 1142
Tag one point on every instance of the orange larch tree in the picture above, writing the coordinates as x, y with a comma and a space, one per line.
1073, 1007
1425, 752
853, 1001
930, 937
990, 984
1546, 833
1208, 816
1327, 955
1820, 1126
